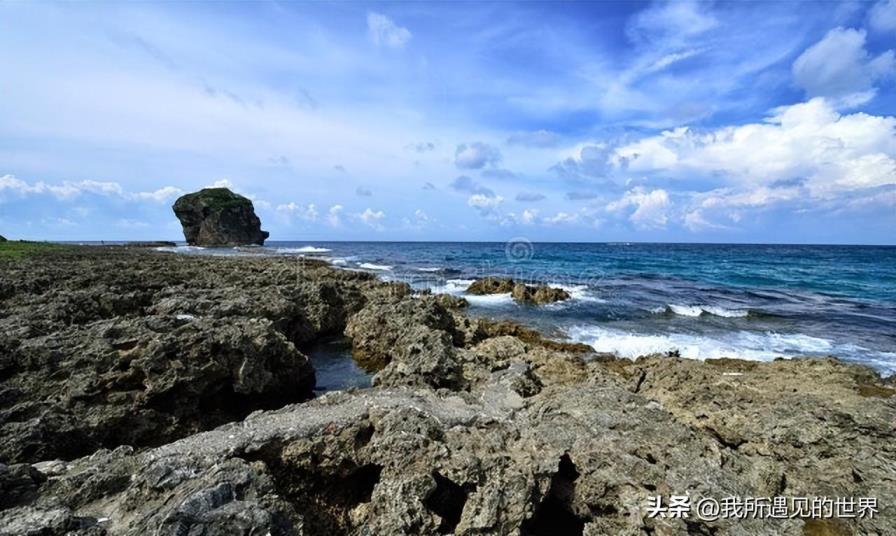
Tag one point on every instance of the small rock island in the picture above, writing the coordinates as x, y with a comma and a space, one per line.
218, 217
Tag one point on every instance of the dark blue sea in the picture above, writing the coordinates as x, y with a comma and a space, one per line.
702, 300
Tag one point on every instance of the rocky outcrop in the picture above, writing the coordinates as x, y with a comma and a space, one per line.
491, 285
537, 459
538, 295
110, 346
218, 217
474, 426
2, 239
520, 292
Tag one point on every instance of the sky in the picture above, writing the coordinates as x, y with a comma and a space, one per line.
600, 121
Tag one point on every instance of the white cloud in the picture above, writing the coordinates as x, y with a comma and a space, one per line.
810, 142
650, 207
372, 218
670, 21
529, 215
882, 17
221, 183
68, 190
334, 215
384, 32
484, 201
840, 68
562, 217
476, 155
307, 212
161, 195
132, 224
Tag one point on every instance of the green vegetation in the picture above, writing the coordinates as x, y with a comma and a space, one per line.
18, 249
217, 198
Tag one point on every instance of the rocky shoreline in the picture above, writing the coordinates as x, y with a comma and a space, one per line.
144, 391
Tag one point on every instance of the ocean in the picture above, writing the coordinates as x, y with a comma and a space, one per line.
703, 301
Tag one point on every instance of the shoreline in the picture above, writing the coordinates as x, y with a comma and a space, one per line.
182, 386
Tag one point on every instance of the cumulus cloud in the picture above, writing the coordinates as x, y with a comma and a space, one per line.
334, 215
645, 209
529, 197
372, 218
476, 155
529, 216
484, 202
839, 67
561, 217
69, 190
221, 183
384, 32
828, 152
307, 212
161, 195
882, 16
537, 138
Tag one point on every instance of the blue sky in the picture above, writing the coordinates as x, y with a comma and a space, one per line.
604, 121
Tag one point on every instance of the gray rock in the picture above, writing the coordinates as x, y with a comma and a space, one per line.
218, 217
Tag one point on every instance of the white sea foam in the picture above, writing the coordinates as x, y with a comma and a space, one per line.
456, 287
371, 266
698, 310
338, 261
304, 249
578, 293
179, 249
489, 300
428, 269
742, 344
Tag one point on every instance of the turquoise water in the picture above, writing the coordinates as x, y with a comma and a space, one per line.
702, 300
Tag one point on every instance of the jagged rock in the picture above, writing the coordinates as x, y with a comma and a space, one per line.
538, 295
491, 285
111, 345
218, 217
2, 239
385, 326
510, 456
494, 430
520, 292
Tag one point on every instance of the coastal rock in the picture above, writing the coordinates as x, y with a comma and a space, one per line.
142, 382
520, 292
540, 458
114, 345
538, 295
218, 217
491, 285
2, 239
384, 328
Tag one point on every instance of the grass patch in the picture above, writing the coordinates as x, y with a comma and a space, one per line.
217, 198
20, 249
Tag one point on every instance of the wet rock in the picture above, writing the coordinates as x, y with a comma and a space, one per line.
218, 217
491, 285
538, 295
520, 292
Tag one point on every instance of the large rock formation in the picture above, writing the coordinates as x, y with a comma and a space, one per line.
2, 239
218, 217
